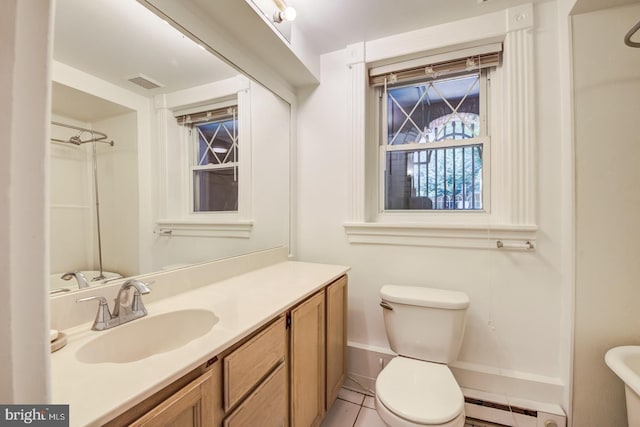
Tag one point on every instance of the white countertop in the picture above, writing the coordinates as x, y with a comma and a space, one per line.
97, 393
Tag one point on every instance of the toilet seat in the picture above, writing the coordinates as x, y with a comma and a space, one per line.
420, 392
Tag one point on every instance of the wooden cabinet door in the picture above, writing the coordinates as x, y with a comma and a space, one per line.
336, 300
308, 362
191, 406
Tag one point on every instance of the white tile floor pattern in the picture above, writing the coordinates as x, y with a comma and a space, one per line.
353, 409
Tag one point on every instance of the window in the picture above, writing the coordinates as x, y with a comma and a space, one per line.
215, 159
507, 140
434, 137
205, 176
215, 171
432, 144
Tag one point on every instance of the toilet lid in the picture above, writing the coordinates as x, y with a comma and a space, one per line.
419, 391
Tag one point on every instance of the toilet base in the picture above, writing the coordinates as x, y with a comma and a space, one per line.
392, 420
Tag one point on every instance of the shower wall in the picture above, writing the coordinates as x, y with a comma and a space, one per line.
72, 209
70, 212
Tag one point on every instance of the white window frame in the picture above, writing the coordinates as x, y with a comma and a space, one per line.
511, 216
484, 138
177, 217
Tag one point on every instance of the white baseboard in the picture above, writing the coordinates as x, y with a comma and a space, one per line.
364, 362
535, 392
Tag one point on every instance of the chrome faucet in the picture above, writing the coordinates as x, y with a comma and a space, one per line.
136, 308
122, 312
80, 278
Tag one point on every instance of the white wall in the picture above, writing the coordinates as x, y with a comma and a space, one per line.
567, 186
607, 108
118, 192
517, 319
25, 34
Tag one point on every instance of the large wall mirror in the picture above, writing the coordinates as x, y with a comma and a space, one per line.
149, 130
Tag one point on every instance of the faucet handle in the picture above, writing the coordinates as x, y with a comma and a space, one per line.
137, 306
103, 316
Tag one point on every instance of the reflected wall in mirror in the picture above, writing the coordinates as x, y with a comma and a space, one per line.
144, 181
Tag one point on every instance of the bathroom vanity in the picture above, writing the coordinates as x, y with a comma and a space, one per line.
272, 355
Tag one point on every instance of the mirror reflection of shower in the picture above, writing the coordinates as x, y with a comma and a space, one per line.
80, 137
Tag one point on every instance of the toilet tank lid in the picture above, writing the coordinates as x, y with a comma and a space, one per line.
424, 297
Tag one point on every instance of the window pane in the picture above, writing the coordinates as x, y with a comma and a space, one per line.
442, 179
215, 190
217, 142
434, 110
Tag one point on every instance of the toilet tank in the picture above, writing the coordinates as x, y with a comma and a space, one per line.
424, 323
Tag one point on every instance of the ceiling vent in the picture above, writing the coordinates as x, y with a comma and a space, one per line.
144, 81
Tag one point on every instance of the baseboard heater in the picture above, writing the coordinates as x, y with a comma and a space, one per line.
483, 413
472, 422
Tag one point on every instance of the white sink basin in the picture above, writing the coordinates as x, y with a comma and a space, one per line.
625, 363
147, 336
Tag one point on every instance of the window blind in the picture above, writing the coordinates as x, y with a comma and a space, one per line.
437, 65
206, 116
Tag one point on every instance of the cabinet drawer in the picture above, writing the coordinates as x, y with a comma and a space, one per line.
266, 407
246, 366
189, 406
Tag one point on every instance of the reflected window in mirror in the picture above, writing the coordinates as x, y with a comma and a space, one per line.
215, 172
215, 160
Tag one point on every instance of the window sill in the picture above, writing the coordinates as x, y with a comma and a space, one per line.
477, 236
189, 228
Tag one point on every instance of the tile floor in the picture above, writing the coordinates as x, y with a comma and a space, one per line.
353, 409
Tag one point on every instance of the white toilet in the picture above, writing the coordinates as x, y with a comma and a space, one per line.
425, 327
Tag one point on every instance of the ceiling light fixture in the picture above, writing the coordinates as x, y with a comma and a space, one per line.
284, 12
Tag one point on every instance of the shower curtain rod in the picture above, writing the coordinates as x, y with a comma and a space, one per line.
76, 140
632, 31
